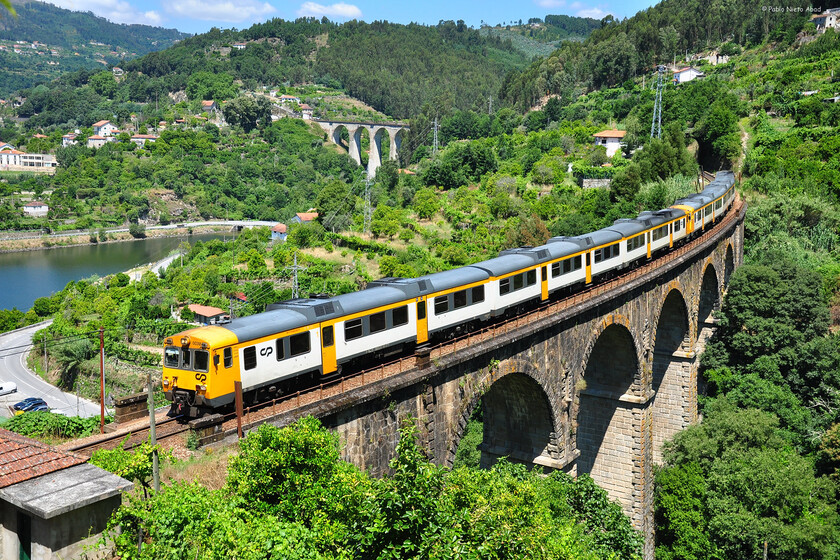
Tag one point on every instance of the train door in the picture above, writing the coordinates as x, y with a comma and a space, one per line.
588, 267
671, 234
647, 243
422, 322
328, 359
544, 274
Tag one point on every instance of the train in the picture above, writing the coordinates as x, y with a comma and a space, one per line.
302, 340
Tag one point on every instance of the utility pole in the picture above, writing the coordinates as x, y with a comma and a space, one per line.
368, 209
101, 380
656, 123
295, 286
435, 144
152, 437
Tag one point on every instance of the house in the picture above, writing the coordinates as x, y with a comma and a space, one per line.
117, 71
97, 141
240, 297
104, 128
6, 146
239, 46
68, 140
610, 139
9, 156
40, 136
285, 98
687, 74
36, 209
278, 232
306, 112
209, 106
207, 315
15, 160
141, 139
826, 20
53, 504
304, 217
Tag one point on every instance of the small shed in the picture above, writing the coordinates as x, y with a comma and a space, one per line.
687, 74
610, 139
36, 208
278, 232
304, 217
53, 504
207, 315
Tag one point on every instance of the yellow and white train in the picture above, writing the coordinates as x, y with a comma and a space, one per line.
313, 337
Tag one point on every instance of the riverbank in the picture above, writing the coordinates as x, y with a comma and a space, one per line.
58, 241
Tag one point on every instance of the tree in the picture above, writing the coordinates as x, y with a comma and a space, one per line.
248, 112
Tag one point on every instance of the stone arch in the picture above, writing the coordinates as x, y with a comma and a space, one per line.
671, 367
709, 296
607, 434
728, 264
396, 137
375, 152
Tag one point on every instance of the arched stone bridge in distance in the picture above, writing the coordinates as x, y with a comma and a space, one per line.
594, 383
375, 131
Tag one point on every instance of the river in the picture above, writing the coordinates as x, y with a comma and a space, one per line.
26, 276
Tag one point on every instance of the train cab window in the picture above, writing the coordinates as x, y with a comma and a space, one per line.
441, 304
280, 344
352, 329
186, 359
377, 322
421, 310
504, 286
531, 277
202, 360
459, 299
170, 357
228, 357
400, 316
478, 294
249, 356
328, 336
299, 344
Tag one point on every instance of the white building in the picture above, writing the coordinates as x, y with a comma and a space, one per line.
15, 160
826, 20
36, 209
105, 128
610, 139
687, 74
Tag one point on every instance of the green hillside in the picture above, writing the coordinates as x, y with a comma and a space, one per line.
44, 42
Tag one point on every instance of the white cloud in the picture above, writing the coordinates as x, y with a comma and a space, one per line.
220, 10
340, 10
594, 13
550, 3
117, 11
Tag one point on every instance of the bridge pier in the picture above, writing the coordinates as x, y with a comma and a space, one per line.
375, 132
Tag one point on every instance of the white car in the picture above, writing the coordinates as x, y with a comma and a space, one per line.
7, 387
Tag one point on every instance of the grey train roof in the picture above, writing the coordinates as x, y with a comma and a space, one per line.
539, 254
363, 300
448, 279
559, 248
627, 227
599, 237
266, 324
505, 264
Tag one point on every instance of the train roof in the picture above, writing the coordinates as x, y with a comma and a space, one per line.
267, 323
411, 287
694, 201
354, 302
539, 254
669, 214
559, 248
599, 237
505, 264
727, 177
627, 227
456, 277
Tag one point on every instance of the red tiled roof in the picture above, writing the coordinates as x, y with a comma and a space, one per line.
305, 107
610, 134
279, 228
207, 103
307, 216
34, 204
22, 458
101, 123
205, 310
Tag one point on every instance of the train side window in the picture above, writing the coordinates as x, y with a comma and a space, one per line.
299, 344
478, 294
352, 329
328, 336
400, 316
677, 226
531, 277
459, 299
556, 268
202, 360
249, 356
544, 274
280, 349
576, 263
587, 259
441, 304
228, 357
170, 357
504, 286
377, 322
421, 310
518, 281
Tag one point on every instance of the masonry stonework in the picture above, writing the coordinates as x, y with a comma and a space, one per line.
596, 388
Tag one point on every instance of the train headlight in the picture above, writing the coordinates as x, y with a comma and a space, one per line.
201, 388
185, 341
166, 383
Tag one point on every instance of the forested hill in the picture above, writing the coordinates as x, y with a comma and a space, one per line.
622, 50
395, 68
54, 26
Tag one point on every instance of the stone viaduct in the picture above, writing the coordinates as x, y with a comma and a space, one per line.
375, 132
594, 383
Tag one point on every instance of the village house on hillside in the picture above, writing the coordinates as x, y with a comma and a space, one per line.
826, 20
104, 128
687, 74
207, 315
610, 139
36, 209
209, 106
16, 160
278, 232
304, 217
53, 504
142, 139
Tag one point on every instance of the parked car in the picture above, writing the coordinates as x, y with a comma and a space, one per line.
7, 387
24, 406
26, 401
39, 407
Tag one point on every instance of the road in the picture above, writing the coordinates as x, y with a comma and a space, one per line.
180, 225
14, 347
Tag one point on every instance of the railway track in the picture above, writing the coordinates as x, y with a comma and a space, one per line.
170, 427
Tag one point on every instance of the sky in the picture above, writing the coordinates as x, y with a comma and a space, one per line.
198, 16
